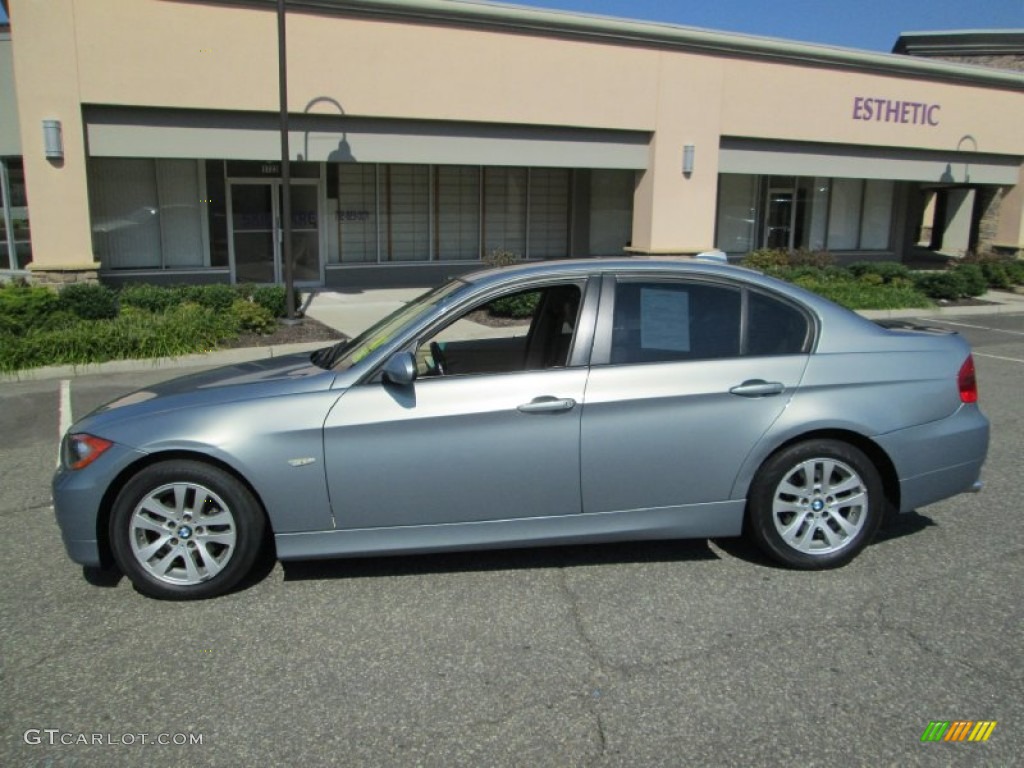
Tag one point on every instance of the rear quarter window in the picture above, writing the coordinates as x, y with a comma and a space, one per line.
775, 327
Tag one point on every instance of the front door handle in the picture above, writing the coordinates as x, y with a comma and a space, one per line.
548, 405
758, 388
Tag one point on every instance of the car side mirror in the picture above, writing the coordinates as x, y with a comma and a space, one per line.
400, 369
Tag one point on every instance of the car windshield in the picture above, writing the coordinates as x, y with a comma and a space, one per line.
345, 354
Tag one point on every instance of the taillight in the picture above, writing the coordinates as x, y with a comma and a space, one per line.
967, 382
82, 450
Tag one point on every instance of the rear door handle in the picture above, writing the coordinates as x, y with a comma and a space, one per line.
548, 405
758, 388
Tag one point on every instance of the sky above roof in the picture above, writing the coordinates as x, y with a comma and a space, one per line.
867, 24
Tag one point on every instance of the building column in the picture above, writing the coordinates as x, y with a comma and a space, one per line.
956, 233
1010, 234
673, 211
46, 81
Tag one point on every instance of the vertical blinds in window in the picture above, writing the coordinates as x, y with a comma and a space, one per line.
145, 213
457, 212
505, 210
549, 213
407, 214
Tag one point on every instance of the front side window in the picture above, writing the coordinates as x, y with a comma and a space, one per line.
528, 330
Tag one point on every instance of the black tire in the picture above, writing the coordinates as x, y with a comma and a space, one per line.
185, 530
830, 503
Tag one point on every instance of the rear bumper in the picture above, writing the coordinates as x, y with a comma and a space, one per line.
941, 459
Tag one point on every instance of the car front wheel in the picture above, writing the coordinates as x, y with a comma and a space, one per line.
183, 530
815, 504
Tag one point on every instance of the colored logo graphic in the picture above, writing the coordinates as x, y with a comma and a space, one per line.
958, 730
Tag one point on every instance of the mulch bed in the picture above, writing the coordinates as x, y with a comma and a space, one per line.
307, 331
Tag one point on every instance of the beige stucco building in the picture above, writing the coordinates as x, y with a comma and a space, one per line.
427, 134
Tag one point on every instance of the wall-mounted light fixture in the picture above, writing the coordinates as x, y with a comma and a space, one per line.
53, 140
688, 151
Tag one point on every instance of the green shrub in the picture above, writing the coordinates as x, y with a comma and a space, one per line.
216, 296
152, 298
1015, 270
854, 294
819, 274
870, 278
887, 270
941, 285
766, 259
274, 298
501, 258
89, 301
253, 317
805, 258
517, 305
996, 274
975, 282
24, 307
135, 334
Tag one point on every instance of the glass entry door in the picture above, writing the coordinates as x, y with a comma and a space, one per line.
257, 252
778, 225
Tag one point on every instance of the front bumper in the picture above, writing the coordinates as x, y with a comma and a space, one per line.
78, 500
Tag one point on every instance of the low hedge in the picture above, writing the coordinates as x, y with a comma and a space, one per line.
88, 323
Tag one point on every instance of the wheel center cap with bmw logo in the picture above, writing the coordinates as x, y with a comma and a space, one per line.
818, 505
184, 532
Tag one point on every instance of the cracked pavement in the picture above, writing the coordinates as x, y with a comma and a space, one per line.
655, 654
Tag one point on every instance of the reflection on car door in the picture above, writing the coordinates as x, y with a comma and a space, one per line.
490, 430
675, 409
456, 449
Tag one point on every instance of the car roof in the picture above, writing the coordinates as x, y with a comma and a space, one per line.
580, 267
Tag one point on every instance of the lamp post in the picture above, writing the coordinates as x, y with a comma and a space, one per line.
286, 176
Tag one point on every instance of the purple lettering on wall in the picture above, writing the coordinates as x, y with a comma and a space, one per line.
874, 110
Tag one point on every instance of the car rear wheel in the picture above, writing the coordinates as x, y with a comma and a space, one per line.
184, 530
815, 504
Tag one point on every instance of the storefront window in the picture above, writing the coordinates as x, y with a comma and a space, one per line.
146, 214
844, 214
217, 213
812, 213
737, 212
610, 212
406, 212
505, 210
549, 213
877, 215
457, 213
355, 219
15, 242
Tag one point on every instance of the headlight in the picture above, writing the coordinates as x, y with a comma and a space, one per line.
81, 450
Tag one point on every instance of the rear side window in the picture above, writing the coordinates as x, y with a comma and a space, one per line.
668, 321
774, 327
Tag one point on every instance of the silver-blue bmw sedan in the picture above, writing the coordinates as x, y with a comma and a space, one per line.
542, 404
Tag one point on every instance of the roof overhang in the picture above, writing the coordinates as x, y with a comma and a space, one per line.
615, 31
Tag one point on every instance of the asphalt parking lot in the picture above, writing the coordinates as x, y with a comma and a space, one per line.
677, 653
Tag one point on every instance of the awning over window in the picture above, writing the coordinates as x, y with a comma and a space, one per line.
122, 132
786, 158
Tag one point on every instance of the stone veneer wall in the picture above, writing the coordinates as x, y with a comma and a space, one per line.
58, 278
1013, 62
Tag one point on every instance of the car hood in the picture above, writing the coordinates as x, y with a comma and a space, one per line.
272, 377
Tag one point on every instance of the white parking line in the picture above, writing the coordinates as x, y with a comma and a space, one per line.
998, 357
970, 325
64, 409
